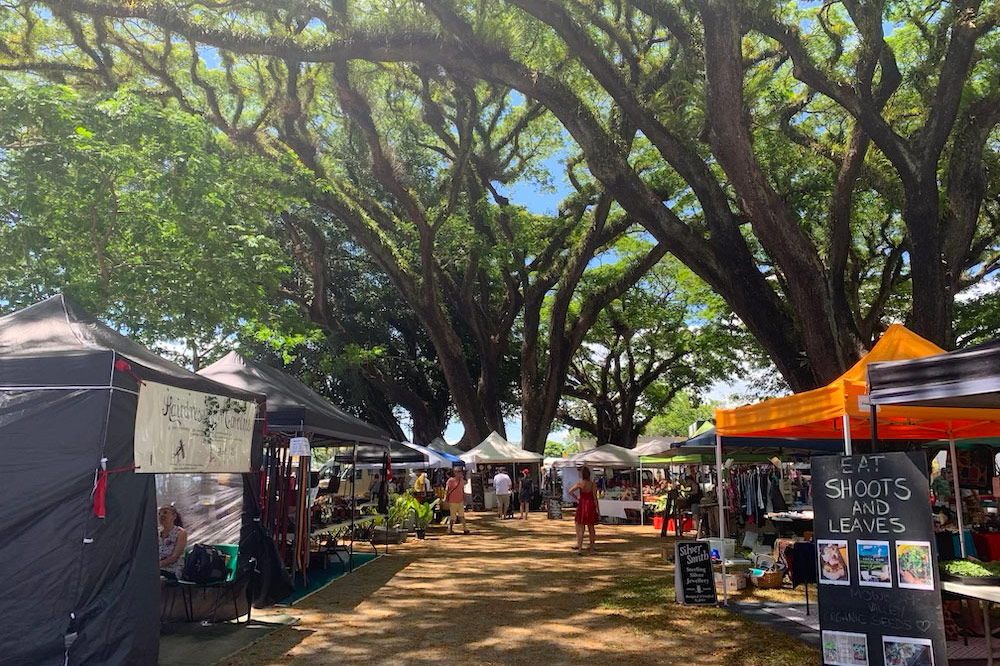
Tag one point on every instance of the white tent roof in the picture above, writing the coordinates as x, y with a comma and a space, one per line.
656, 445
496, 449
608, 455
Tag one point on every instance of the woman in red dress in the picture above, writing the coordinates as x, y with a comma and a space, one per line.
585, 493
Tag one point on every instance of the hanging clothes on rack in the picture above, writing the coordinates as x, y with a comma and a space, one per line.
754, 491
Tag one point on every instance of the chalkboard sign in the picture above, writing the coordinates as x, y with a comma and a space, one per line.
478, 493
879, 591
554, 508
694, 581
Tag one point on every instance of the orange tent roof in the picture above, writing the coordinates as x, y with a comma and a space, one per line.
818, 414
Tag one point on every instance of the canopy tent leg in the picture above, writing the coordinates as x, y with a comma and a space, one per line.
719, 492
354, 505
873, 421
642, 506
957, 492
847, 435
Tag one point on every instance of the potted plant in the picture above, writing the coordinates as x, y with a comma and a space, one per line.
391, 531
423, 514
658, 512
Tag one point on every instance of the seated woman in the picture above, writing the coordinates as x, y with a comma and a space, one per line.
173, 539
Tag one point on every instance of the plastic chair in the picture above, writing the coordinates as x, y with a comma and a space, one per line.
231, 551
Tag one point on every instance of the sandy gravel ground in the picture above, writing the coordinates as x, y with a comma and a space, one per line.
514, 593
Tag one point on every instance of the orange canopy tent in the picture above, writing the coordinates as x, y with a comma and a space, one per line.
825, 413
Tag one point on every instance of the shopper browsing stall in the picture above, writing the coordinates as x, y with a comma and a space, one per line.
501, 486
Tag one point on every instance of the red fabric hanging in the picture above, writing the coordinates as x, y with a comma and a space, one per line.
122, 365
101, 486
101, 489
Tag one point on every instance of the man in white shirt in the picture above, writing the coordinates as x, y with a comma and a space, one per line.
502, 485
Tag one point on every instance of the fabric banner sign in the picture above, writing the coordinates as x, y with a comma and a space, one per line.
177, 430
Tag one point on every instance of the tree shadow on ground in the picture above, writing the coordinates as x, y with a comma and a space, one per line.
514, 593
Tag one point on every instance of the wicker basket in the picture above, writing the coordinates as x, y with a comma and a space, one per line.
769, 580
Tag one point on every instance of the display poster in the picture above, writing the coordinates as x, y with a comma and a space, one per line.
299, 446
975, 468
879, 590
694, 581
554, 508
183, 431
478, 492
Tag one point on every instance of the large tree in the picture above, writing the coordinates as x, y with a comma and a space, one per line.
667, 335
139, 213
361, 346
411, 160
820, 174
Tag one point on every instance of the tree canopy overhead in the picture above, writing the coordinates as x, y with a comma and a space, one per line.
138, 212
824, 167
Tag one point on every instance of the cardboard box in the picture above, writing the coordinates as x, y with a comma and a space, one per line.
734, 582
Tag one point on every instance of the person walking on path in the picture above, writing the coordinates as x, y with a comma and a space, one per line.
692, 491
587, 515
502, 485
525, 489
454, 497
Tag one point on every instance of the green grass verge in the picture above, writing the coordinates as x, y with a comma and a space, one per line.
646, 604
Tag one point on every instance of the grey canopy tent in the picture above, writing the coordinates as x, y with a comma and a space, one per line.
291, 405
79, 589
295, 409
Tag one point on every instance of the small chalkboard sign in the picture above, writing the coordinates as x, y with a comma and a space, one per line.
478, 493
694, 581
554, 509
879, 590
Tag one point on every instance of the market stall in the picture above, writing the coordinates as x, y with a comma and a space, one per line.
299, 419
615, 500
89, 419
487, 458
841, 412
962, 390
438, 444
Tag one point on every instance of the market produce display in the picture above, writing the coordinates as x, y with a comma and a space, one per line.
971, 571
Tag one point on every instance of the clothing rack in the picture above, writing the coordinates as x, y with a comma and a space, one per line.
753, 491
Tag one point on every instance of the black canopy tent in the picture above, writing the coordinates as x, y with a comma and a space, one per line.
79, 589
399, 453
969, 379
294, 409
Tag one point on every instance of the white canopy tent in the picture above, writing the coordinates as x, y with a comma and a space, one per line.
606, 455
657, 445
496, 449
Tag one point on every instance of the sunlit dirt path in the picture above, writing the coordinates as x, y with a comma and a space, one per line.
513, 592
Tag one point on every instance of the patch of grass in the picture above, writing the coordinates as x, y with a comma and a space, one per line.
646, 604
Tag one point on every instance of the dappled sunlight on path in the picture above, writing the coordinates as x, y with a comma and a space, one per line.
513, 592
